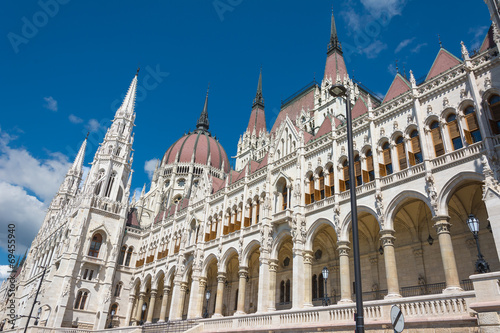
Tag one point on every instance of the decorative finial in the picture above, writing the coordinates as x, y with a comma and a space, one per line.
87, 136
440, 43
138, 69
397, 68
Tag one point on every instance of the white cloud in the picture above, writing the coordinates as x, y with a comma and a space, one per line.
137, 194
392, 69
372, 50
478, 36
93, 125
50, 103
403, 44
387, 8
150, 167
4, 272
417, 48
74, 119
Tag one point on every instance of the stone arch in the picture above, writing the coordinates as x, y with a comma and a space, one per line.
226, 257
430, 119
449, 188
170, 274
447, 111
278, 240
410, 128
382, 141
395, 135
314, 228
188, 268
158, 276
465, 103
137, 283
208, 260
397, 201
346, 223
251, 247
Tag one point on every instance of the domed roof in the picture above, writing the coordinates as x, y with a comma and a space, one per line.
201, 144
205, 148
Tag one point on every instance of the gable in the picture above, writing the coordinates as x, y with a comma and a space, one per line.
444, 61
398, 86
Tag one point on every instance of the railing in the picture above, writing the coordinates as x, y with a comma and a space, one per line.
169, 326
425, 289
106, 204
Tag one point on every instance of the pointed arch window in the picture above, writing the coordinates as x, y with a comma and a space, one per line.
454, 132
321, 185
282, 291
472, 134
437, 138
122, 255
321, 286
100, 176
345, 183
369, 173
81, 299
310, 194
494, 103
95, 245
287, 291
129, 256
110, 184
314, 287
357, 170
400, 147
118, 289
416, 154
386, 166
330, 188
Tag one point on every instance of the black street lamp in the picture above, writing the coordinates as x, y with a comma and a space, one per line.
143, 315
35, 301
481, 264
207, 296
326, 300
339, 90
111, 320
38, 313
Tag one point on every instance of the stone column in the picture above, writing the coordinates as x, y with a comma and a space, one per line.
202, 288
243, 274
345, 275
391, 271
184, 290
447, 255
164, 303
142, 294
177, 301
254, 212
221, 278
273, 268
151, 307
308, 257
298, 278
492, 203
263, 290
195, 298
131, 306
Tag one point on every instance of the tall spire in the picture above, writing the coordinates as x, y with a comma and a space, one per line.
78, 163
129, 100
334, 40
259, 99
203, 122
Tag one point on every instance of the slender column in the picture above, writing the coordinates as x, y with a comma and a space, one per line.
298, 277
391, 271
182, 300
345, 275
273, 268
195, 298
221, 278
254, 212
243, 274
164, 303
176, 304
308, 257
264, 281
131, 306
202, 288
139, 307
151, 307
445, 245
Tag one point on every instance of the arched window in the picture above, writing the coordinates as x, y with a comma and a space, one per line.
119, 196
122, 255
400, 147
287, 291
494, 103
473, 134
369, 174
118, 289
437, 138
345, 183
456, 140
95, 245
357, 170
314, 287
321, 286
321, 185
129, 256
310, 194
177, 199
416, 153
81, 299
386, 166
100, 176
330, 188
110, 184
282, 291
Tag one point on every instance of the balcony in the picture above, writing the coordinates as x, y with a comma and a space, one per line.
283, 216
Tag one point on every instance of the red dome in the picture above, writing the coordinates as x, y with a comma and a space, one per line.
203, 145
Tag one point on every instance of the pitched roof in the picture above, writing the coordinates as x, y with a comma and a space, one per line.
488, 41
132, 218
325, 128
359, 108
444, 61
217, 184
334, 62
398, 86
303, 101
257, 120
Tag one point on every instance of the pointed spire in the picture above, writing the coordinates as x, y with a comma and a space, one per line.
129, 100
334, 40
78, 163
259, 99
203, 122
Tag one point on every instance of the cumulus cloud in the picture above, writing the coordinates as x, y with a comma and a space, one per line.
93, 125
392, 69
27, 185
4, 272
388, 8
403, 44
50, 103
373, 50
74, 119
150, 167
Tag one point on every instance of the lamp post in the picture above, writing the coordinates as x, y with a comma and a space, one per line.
326, 300
143, 314
38, 313
35, 301
207, 296
339, 90
111, 320
481, 264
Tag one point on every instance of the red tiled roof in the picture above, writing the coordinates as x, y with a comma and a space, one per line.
257, 120
337, 122
359, 108
132, 218
262, 163
293, 109
217, 184
334, 62
488, 41
325, 128
253, 166
444, 61
398, 86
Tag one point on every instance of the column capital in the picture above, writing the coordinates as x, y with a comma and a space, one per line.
387, 237
154, 292
343, 248
142, 294
243, 272
442, 224
166, 290
440, 218
203, 282
184, 286
308, 257
273, 265
221, 277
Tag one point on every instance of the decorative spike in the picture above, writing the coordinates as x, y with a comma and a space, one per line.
259, 99
412, 79
129, 101
334, 40
78, 163
203, 123
465, 53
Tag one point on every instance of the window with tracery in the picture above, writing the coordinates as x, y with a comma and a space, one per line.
95, 245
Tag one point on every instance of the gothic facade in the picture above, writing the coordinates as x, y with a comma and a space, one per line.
426, 156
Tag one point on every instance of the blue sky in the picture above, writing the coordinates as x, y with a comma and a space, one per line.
67, 64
